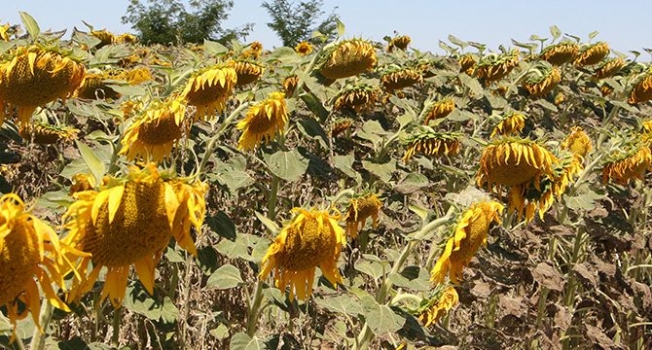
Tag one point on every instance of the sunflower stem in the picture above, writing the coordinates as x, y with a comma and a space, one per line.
254, 310
117, 317
273, 197
38, 338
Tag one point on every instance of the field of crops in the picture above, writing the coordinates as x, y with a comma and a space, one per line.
337, 195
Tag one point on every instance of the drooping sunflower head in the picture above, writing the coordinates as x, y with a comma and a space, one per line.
493, 67
152, 136
467, 63
253, 51
36, 76
126, 38
5, 32
560, 53
592, 54
438, 110
438, 306
470, 233
578, 142
628, 163
30, 251
82, 182
512, 123
248, 71
431, 143
511, 161
347, 58
263, 121
359, 97
642, 88
400, 42
46, 134
541, 79
646, 126
609, 68
396, 78
95, 87
130, 220
339, 126
106, 37
311, 239
209, 89
290, 84
359, 209
303, 48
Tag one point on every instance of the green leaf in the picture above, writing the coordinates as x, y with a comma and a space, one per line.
313, 130
221, 332
555, 32
456, 41
449, 49
340, 27
240, 248
421, 212
345, 165
380, 318
222, 224
383, 171
271, 226
241, 341
226, 277
345, 304
212, 48
472, 84
30, 25
93, 162
372, 268
593, 34
315, 105
413, 278
289, 166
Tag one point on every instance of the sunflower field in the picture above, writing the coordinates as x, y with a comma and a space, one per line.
337, 195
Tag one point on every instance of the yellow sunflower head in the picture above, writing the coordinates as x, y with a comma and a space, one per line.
630, 163
339, 126
45, 134
642, 88
467, 63
511, 161
5, 32
303, 48
30, 251
253, 52
360, 208
541, 79
248, 72
395, 78
431, 143
152, 136
126, 38
209, 89
36, 76
311, 239
578, 142
438, 306
560, 53
82, 182
347, 58
592, 54
493, 67
290, 84
438, 110
646, 125
609, 68
106, 37
400, 42
470, 233
95, 86
130, 221
512, 123
358, 98
263, 121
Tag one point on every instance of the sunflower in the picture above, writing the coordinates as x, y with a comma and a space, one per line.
82, 182
592, 54
439, 306
628, 164
511, 161
95, 87
106, 37
493, 67
578, 142
609, 68
642, 90
347, 58
606, 90
130, 222
438, 110
5, 33
152, 136
126, 38
470, 233
511, 124
360, 208
431, 143
290, 84
303, 48
467, 64
247, 71
395, 78
30, 251
209, 89
45, 134
359, 98
400, 42
263, 121
36, 76
339, 126
313, 238
252, 52
541, 79
559, 98
560, 53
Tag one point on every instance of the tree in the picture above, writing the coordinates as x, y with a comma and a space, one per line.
168, 22
295, 22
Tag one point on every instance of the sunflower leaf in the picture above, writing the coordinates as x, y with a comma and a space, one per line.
289, 166
380, 318
345, 304
226, 277
93, 162
241, 341
30, 25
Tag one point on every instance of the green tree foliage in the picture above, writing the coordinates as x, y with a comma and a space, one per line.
295, 22
169, 22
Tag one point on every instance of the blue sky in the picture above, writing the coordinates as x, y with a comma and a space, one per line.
624, 25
